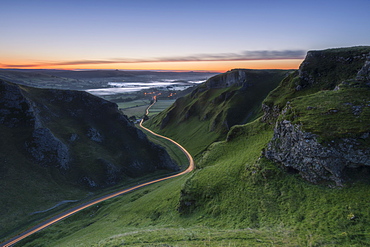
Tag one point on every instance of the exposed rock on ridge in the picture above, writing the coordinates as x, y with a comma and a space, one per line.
46, 149
85, 137
331, 67
226, 99
300, 150
18, 111
321, 70
237, 77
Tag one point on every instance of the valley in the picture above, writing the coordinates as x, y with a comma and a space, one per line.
189, 167
281, 159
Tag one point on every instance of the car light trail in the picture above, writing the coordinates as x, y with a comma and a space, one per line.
74, 210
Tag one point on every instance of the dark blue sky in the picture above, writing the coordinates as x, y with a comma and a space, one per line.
151, 33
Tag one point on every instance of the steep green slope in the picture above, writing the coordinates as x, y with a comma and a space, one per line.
319, 113
61, 146
238, 197
321, 70
323, 124
207, 114
234, 199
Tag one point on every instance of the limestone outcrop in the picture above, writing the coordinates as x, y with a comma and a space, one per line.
312, 152
294, 148
84, 137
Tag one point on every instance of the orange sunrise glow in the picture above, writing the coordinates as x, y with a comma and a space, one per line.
217, 66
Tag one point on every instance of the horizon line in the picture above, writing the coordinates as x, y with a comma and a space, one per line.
258, 55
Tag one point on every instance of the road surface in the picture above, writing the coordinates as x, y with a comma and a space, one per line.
76, 209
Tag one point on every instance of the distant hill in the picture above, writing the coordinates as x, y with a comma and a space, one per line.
211, 109
298, 175
77, 133
90, 79
57, 144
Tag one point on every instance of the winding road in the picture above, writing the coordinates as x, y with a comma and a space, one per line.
76, 209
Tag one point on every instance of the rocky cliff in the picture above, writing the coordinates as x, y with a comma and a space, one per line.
324, 134
207, 113
226, 99
301, 151
237, 77
321, 70
85, 138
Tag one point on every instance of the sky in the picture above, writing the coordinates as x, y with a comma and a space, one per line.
175, 35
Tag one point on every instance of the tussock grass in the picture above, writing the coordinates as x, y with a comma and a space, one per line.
322, 70
234, 198
206, 115
333, 114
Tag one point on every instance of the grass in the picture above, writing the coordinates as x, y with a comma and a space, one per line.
160, 106
194, 236
192, 135
322, 70
137, 107
133, 103
233, 198
205, 116
331, 115
134, 108
29, 187
33, 185
176, 154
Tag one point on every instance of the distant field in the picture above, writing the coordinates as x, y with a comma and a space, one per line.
134, 108
137, 107
134, 103
161, 105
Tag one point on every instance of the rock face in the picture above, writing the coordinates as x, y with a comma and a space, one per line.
15, 109
321, 70
225, 100
235, 77
301, 151
364, 73
271, 113
18, 111
46, 149
85, 137
330, 67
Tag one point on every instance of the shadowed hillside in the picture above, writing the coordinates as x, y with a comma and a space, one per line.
209, 111
55, 143
296, 176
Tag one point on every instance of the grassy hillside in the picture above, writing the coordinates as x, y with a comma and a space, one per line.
59, 147
333, 114
207, 114
236, 197
321, 70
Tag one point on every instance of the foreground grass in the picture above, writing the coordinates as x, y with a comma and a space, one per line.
133, 222
235, 198
34, 187
196, 236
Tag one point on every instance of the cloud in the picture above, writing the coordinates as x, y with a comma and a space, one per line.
242, 56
